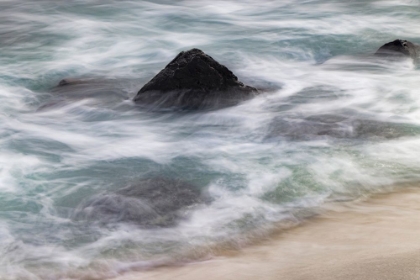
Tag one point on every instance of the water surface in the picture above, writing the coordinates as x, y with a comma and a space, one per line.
336, 123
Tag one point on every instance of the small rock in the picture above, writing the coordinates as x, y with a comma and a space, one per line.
400, 48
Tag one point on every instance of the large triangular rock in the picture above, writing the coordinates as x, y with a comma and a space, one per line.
400, 48
194, 80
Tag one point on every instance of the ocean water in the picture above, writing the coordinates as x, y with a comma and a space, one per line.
333, 123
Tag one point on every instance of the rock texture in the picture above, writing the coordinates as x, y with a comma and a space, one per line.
156, 202
400, 48
194, 80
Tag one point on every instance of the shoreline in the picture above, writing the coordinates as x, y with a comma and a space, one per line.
372, 239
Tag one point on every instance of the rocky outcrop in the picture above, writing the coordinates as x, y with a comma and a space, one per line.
155, 202
400, 48
194, 80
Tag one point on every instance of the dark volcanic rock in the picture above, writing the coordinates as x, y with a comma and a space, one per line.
154, 202
194, 80
400, 48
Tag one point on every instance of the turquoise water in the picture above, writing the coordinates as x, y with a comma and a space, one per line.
334, 124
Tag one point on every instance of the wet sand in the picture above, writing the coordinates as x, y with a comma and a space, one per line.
374, 239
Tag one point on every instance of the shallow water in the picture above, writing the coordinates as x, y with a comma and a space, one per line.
335, 123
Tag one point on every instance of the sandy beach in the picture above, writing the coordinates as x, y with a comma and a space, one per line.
373, 239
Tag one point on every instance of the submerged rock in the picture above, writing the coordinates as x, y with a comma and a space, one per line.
154, 202
400, 48
340, 127
70, 81
194, 80
96, 92
90, 88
